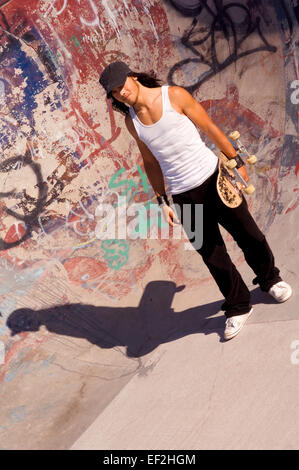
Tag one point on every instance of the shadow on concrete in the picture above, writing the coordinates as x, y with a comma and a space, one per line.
140, 329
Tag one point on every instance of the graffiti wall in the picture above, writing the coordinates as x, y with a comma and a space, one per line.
64, 151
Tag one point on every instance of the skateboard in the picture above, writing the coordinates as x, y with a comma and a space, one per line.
230, 183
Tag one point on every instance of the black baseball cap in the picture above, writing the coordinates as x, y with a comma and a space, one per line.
114, 75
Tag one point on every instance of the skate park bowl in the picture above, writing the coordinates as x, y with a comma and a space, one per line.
116, 342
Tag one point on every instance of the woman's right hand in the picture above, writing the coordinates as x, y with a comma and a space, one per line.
169, 215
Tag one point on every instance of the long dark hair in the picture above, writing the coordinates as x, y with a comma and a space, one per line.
146, 79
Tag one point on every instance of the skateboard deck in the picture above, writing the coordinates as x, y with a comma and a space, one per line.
227, 188
230, 184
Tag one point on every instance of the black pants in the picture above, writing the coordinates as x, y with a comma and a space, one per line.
240, 224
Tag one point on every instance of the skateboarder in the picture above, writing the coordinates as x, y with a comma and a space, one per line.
163, 121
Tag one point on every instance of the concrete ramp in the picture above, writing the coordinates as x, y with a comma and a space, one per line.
117, 342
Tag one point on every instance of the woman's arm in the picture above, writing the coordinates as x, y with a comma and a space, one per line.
151, 164
153, 171
184, 101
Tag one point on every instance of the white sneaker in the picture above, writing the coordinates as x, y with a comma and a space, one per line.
281, 291
234, 325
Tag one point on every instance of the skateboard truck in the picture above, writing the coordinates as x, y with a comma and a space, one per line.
251, 159
231, 164
249, 188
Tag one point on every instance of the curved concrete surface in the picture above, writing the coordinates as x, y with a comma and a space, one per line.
117, 344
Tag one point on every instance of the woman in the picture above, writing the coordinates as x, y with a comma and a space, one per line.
163, 121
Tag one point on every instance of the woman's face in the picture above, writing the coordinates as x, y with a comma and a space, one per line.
127, 93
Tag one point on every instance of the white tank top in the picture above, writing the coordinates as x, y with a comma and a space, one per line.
185, 160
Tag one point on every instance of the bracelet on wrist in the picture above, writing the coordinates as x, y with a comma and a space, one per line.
162, 200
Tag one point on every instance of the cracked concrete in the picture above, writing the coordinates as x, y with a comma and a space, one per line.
207, 394
118, 344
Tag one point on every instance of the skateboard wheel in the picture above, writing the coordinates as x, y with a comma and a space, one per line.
251, 160
250, 189
231, 164
234, 135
